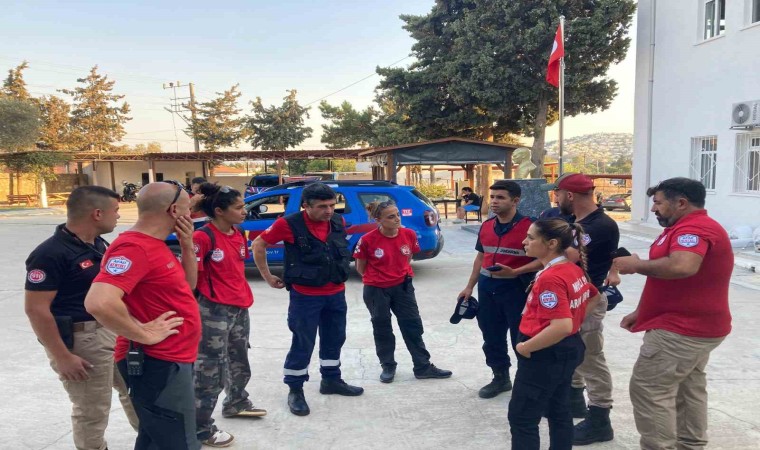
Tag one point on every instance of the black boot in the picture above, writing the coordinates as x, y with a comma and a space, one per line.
297, 402
596, 427
578, 403
500, 383
339, 387
389, 372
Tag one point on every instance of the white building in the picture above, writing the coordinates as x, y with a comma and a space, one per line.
696, 59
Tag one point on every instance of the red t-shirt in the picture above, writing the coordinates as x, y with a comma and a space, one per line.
226, 267
153, 282
560, 292
387, 257
280, 231
696, 306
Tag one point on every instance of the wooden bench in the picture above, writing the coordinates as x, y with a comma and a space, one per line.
22, 199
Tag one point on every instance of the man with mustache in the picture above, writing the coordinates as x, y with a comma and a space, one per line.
684, 312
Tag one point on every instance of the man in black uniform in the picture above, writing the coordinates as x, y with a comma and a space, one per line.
470, 202
59, 274
575, 196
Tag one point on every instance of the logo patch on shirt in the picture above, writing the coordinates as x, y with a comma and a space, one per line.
117, 265
196, 248
662, 239
171, 264
405, 250
406, 212
86, 264
242, 252
548, 299
586, 239
36, 276
379, 253
217, 255
688, 240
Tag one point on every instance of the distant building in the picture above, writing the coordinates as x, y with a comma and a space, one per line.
695, 61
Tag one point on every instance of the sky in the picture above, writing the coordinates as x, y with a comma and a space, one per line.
268, 47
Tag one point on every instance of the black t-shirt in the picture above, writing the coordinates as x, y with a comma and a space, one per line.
601, 236
475, 198
65, 264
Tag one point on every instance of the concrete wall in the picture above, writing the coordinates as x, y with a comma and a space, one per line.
132, 171
695, 82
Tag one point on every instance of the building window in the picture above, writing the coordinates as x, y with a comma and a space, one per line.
704, 158
714, 18
748, 163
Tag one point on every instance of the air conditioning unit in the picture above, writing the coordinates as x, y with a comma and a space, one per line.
745, 114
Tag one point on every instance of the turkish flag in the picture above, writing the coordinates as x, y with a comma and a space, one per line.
558, 52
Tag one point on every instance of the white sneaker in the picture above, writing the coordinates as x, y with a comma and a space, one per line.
219, 439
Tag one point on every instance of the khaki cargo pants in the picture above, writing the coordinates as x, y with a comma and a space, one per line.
91, 399
668, 390
593, 371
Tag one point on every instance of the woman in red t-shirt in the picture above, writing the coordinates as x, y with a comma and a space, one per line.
549, 347
224, 297
382, 258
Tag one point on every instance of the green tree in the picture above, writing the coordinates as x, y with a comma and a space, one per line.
97, 121
375, 127
218, 123
55, 130
14, 85
19, 124
481, 66
278, 127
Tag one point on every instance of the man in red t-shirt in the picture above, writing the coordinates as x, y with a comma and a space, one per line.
684, 312
143, 295
316, 266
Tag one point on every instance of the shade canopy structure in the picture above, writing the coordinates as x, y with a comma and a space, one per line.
386, 161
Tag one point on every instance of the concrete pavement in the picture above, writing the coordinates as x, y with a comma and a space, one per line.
409, 413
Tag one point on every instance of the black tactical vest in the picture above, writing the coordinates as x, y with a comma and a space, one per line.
311, 262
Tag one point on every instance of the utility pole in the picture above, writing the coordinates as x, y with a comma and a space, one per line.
177, 108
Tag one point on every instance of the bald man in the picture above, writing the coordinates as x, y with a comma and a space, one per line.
145, 296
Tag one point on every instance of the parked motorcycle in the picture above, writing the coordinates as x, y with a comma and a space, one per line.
129, 192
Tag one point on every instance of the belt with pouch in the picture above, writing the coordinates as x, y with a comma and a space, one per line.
90, 325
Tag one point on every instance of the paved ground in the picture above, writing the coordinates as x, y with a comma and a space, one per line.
410, 413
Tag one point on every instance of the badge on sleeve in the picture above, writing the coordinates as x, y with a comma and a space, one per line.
688, 240
117, 265
548, 299
36, 276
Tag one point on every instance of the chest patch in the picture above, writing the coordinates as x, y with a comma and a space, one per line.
86, 264
117, 265
662, 239
548, 299
586, 239
688, 240
242, 252
379, 253
36, 276
405, 250
196, 248
217, 255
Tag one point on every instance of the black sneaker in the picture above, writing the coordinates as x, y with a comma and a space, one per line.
432, 371
388, 374
339, 387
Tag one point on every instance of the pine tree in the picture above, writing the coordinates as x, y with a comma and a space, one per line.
97, 122
14, 85
55, 130
218, 123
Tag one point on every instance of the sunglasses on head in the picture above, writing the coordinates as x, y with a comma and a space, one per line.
176, 195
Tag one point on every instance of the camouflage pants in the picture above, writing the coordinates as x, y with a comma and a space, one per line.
222, 362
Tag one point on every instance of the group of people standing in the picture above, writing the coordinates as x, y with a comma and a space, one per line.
183, 325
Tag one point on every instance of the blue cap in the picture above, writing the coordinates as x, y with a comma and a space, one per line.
613, 297
465, 309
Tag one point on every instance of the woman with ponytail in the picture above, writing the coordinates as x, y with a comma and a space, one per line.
224, 297
549, 347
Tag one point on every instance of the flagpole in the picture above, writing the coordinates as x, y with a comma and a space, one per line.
561, 95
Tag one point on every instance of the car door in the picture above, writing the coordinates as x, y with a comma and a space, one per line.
263, 210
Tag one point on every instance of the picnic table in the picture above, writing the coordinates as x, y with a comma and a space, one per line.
22, 199
58, 197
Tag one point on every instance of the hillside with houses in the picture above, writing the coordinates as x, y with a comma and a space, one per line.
597, 153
